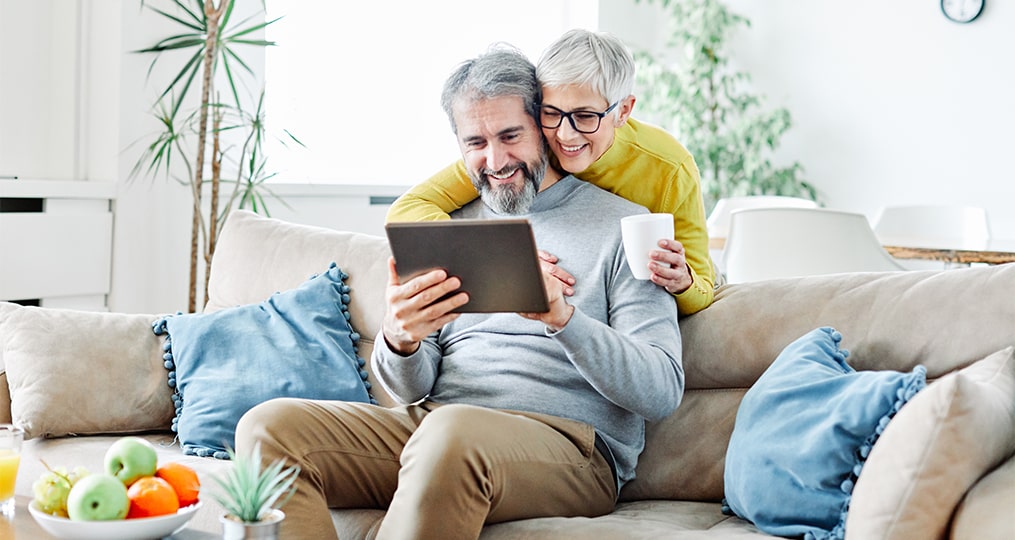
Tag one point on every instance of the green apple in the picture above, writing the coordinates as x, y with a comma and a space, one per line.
131, 458
98, 497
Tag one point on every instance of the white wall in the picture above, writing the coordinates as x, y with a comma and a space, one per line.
892, 103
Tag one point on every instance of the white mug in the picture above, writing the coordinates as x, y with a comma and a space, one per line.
642, 233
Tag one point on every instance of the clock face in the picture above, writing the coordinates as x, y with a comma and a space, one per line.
962, 11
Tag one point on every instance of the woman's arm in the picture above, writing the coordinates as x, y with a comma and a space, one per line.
435, 198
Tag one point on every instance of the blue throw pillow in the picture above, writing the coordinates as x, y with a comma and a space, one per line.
297, 343
802, 434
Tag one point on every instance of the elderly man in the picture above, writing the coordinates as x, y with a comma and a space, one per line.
507, 416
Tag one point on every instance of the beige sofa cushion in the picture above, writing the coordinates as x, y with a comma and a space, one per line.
78, 372
257, 256
936, 447
6, 308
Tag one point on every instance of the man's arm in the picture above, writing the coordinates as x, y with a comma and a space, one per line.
406, 356
635, 361
434, 199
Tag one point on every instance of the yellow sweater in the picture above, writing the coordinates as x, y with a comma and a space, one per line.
645, 165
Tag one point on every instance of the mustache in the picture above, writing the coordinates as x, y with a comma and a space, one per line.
503, 171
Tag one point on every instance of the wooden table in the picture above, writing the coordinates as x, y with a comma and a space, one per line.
999, 251
993, 251
22, 525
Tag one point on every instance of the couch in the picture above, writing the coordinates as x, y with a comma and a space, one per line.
88, 378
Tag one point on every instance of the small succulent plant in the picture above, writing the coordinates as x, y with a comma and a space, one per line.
250, 493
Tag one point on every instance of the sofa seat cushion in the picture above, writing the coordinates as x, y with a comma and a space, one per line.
648, 520
640, 520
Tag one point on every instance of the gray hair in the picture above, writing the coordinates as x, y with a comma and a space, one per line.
501, 71
595, 59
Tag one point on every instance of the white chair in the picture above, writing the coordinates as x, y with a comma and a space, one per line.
771, 243
935, 226
718, 222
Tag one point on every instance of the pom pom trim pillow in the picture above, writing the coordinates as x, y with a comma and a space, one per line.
802, 434
297, 343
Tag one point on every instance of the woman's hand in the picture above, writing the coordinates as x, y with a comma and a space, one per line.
669, 268
550, 265
560, 311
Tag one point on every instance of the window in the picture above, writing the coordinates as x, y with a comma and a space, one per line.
359, 82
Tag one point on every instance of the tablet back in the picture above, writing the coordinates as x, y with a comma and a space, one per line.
495, 259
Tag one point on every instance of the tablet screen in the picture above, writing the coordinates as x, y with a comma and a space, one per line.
495, 259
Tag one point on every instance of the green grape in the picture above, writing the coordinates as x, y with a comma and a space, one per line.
51, 492
51, 489
77, 474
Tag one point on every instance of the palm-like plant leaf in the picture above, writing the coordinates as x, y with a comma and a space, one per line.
250, 493
210, 44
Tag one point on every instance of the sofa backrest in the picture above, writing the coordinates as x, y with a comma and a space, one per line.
257, 256
943, 320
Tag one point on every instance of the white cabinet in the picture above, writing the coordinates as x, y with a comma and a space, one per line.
56, 242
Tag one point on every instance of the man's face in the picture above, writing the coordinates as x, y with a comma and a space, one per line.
504, 152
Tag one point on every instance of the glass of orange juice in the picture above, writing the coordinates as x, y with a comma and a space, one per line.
10, 456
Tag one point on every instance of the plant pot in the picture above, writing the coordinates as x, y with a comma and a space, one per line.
267, 528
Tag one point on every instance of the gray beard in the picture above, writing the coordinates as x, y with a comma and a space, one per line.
506, 199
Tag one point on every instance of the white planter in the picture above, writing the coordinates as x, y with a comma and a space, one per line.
267, 528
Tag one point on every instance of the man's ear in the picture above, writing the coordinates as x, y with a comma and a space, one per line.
624, 110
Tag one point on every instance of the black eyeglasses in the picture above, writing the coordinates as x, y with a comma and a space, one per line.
550, 117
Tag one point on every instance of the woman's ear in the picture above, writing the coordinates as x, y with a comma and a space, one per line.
624, 109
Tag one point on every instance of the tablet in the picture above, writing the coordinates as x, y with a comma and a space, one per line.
496, 260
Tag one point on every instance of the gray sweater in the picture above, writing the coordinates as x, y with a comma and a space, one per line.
614, 365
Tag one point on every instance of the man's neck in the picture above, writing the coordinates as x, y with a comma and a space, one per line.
552, 176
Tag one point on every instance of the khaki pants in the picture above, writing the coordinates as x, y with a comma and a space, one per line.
441, 471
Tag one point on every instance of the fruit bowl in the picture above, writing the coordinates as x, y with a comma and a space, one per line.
122, 529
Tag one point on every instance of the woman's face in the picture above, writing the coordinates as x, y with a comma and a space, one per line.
574, 149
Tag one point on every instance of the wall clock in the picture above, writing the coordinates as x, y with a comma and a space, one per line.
962, 11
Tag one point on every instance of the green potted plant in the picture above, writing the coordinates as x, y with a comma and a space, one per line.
690, 88
220, 139
253, 496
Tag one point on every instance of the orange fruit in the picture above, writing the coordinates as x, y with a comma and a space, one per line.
184, 481
151, 496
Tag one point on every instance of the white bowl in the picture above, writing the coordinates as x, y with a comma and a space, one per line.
123, 529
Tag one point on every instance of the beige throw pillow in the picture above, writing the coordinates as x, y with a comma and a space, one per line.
946, 438
77, 372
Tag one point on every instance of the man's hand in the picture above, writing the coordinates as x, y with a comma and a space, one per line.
412, 313
670, 270
566, 279
560, 311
